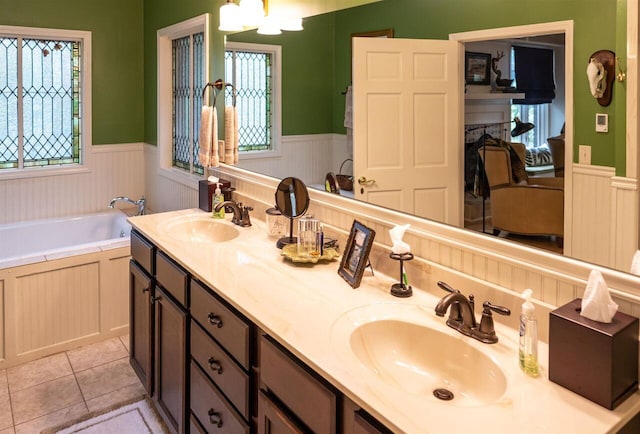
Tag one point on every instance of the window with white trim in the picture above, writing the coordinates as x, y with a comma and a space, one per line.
182, 75
254, 71
43, 96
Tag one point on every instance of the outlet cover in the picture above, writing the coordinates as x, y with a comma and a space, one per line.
584, 154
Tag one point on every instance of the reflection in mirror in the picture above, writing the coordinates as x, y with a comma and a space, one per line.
316, 71
292, 200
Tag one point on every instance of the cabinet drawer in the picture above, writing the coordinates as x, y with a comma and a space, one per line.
143, 252
310, 400
221, 368
220, 322
211, 409
171, 277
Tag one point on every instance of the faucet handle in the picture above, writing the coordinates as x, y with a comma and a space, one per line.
486, 332
488, 307
447, 287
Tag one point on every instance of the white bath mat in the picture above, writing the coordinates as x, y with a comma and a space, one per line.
136, 418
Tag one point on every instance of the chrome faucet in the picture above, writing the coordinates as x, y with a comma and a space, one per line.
140, 203
240, 213
462, 316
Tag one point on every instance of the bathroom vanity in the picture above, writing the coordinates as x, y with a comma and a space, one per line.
228, 336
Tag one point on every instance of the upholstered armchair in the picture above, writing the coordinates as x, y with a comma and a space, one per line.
556, 145
534, 206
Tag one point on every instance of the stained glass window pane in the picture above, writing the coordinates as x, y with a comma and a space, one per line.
251, 74
8, 103
188, 80
50, 90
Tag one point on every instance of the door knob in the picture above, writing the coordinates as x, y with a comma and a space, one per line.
364, 181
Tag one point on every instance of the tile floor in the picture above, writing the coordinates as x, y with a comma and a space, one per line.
63, 387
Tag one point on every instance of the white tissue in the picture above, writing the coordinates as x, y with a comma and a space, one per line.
635, 263
596, 302
212, 179
399, 247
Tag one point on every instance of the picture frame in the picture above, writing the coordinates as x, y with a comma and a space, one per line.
477, 68
356, 254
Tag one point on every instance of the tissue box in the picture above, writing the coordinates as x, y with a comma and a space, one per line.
206, 190
596, 360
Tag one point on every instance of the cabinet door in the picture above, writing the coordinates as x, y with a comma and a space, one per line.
141, 325
363, 426
272, 420
170, 355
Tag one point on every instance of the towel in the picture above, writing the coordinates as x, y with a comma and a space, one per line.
208, 154
348, 108
231, 136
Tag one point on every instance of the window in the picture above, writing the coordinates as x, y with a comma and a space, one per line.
254, 71
43, 92
188, 82
182, 75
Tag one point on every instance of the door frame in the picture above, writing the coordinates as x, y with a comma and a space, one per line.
556, 27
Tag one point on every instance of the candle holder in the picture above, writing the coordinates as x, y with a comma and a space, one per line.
401, 289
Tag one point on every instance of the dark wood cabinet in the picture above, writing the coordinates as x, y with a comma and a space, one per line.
170, 360
208, 368
221, 364
141, 325
304, 397
274, 420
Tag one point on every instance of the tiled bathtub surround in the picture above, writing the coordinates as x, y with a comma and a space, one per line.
60, 388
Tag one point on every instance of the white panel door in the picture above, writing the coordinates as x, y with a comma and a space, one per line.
408, 126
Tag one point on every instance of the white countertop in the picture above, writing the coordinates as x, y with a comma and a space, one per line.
308, 309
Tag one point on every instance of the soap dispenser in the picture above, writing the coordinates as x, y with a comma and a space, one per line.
528, 351
218, 198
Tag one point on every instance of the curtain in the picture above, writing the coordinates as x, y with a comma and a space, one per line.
534, 75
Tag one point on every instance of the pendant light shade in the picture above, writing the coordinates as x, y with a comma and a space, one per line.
252, 12
270, 26
230, 17
292, 25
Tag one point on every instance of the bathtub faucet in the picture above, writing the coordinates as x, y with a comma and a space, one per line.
139, 203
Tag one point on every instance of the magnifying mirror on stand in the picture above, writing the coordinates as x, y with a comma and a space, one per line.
292, 200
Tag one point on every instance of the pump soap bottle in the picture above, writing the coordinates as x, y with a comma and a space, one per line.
218, 198
528, 352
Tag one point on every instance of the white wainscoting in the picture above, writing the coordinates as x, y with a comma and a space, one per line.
605, 217
307, 157
55, 305
116, 170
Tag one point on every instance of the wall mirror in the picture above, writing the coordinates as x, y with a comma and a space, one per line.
316, 71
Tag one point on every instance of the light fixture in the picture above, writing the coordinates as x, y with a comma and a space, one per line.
252, 13
292, 24
230, 17
270, 26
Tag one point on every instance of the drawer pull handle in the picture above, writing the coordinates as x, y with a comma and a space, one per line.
154, 299
214, 319
145, 289
215, 365
215, 418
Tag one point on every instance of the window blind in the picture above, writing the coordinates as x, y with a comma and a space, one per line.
534, 75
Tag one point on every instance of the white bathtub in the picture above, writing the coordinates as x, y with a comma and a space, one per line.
41, 240
63, 283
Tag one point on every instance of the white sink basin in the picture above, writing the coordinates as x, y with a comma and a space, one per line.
200, 229
403, 347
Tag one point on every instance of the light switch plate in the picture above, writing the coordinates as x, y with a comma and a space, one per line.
602, 123
584, 154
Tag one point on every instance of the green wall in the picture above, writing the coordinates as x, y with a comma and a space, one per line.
117, 56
